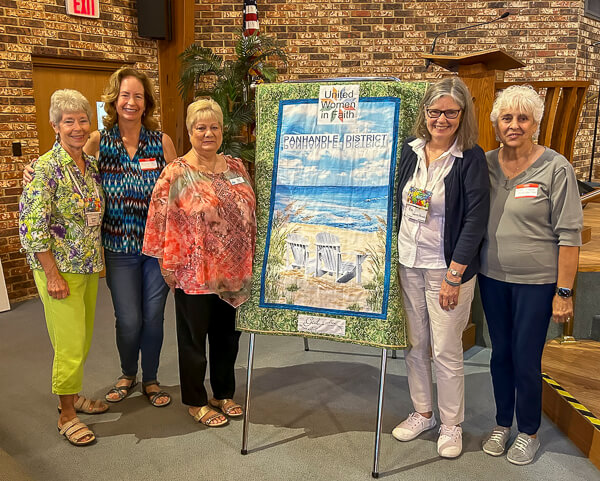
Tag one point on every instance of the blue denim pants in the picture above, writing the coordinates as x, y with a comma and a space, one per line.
139, 294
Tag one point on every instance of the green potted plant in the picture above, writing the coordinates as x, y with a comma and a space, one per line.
232, 84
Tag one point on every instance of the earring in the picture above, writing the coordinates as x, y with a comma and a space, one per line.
57, 137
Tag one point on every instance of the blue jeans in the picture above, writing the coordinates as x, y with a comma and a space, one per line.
139, 294
518, 316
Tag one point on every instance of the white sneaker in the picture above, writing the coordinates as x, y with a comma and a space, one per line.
449, 443
412, 426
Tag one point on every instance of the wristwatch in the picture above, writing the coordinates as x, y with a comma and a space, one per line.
564, 292
454, 272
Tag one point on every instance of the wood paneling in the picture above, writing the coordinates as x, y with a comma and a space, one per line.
589, 257
563, 104
574, 367
50, 74
172, 107
569, 365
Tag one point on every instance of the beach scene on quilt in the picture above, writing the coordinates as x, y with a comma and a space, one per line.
328, 231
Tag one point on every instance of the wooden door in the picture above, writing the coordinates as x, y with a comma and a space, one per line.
50, 74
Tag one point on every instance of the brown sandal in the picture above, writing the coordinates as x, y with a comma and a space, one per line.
88, 406
226, 406
74, 430
205, 417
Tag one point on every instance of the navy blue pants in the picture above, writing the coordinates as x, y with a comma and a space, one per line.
518, 316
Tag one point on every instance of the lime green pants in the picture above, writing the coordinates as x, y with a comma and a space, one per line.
70, 323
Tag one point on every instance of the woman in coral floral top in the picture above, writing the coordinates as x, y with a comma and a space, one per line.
201, 226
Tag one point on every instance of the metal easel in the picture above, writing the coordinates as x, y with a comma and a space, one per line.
245, 427
244, 450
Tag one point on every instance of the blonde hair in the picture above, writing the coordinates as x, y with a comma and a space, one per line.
467, 132
68, 100
523, 98
111, 94
202, 109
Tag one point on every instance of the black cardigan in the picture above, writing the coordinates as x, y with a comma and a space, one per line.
467, 204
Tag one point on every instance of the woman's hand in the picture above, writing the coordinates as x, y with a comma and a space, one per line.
568, 259
28, 171
169, 277
56, 286
449, 296
562, 309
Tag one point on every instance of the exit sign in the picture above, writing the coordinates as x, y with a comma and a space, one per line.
83, 8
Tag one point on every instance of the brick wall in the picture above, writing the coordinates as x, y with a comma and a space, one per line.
324, 38
333, 38
41, 28
588, 68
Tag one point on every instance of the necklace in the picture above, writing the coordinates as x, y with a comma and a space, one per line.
513, 172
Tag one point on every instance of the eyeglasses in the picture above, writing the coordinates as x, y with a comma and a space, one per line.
449, 114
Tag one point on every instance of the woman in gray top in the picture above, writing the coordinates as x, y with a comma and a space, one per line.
528, 264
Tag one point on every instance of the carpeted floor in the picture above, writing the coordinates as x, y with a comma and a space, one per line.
312, 417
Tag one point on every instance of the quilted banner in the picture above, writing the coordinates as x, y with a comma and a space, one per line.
326, 254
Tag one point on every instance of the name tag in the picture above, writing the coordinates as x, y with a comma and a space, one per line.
148, 164
417, 204
92, 219
236, 180
526, 190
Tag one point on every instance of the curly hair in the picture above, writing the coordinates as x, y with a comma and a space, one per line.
111, 94
466, 135
522, 98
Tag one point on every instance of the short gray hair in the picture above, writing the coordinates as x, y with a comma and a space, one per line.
203, 109
466, 135
68, 100
522, 98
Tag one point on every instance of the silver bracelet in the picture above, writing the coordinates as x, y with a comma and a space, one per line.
451, 283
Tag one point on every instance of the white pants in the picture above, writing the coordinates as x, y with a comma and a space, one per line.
431, 329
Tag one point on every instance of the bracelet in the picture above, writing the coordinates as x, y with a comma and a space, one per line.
451, 283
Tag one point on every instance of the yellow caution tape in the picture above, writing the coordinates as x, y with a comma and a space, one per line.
585, 412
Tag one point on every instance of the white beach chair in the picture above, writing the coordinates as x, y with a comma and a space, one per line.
298, 246
329, 259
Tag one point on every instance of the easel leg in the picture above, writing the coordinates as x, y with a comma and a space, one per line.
247, 401
375, 472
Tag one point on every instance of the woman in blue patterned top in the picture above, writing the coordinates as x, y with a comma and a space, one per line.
131, 155
59, 226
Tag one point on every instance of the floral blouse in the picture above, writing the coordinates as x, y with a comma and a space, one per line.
52, 213
203, 227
